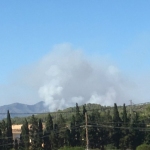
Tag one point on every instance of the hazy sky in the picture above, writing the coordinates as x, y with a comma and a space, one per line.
112, 39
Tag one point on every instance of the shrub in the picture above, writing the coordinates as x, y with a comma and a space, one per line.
143, 147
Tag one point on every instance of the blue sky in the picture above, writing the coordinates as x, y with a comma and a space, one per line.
119, 30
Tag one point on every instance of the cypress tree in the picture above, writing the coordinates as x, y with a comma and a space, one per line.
78, 122
21, 143
125, 132
1, 138
72, 132
16, 145
124, 116
116, 124
49, 123
54, 138
4, 135
84, 111
47, 132
67, 138
34, 133
40, 134
9, 131
61, 130
24, 137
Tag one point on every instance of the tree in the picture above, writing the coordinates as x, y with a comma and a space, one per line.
72, 131
1, 138
84, 111
143, 147
34, 131
9, 131
49, 123
47, 132
78, 121
124, 116
116, 135
16, 145
24, 137
61, 130
40, 134
67, 137
54, 138
125, 139
4, 135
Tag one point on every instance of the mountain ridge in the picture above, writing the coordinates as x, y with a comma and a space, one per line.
20, 109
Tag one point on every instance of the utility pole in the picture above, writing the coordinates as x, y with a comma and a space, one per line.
87, 137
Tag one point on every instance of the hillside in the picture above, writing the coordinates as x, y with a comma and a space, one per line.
20, 110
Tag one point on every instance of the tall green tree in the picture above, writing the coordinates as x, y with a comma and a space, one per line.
34, 131
24, 137
16, 145
67, 137
73, 132
116, 134
40, 134
125, 138
4, 135
9, 131
61, 124
124, 116
1, 138
47, 132
78, 121
54, 138
84, 111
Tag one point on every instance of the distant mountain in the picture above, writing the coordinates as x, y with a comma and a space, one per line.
19, 109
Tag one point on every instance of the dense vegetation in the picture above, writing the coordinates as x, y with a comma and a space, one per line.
108, 128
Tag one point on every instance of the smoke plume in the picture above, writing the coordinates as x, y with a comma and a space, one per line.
66, 76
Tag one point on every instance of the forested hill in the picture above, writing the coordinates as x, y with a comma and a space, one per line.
142, 109
19, 109
117, 127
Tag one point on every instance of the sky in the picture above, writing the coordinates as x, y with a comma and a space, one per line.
108, 42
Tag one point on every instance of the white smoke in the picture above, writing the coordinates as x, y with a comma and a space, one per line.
68, 77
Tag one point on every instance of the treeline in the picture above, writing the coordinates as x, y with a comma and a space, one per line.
108, 131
